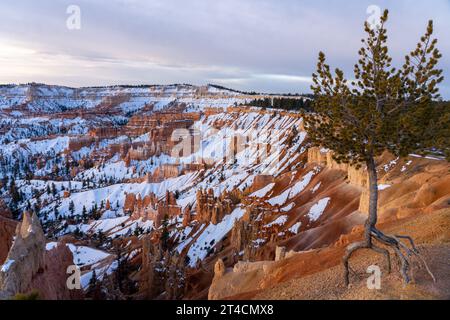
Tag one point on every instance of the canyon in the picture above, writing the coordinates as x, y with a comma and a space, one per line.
186, 192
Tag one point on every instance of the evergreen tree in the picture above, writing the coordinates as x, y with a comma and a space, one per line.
165, 232
14, 192
383, 109
53, 189
84, 213
72, 208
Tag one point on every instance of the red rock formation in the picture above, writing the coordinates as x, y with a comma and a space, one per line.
104, 132
193, 167
187, 217
130, 201
150, 208
213, 209
317, 155
139, 125
51, 284
209, 111
7, 231
163, 172
261, 181
76, 144
240, 235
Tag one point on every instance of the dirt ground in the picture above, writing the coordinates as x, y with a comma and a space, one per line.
431, 233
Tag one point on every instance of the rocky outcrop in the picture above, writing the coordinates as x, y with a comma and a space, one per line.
228, 283
104, 133
213, 209
317, 155
151, 208
162, 274
163, 172
187, 217
240, 235
29, 267
7, 231
77, 143
280, 253
52, 283
261, 181
160, 124
219, 269
151, 255
25, 260
356, 176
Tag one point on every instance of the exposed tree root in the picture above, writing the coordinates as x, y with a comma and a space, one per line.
403, 253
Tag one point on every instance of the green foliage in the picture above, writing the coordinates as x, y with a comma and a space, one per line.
72, 207
282, 103
34, 295
14, 192
384, 108
165, 232
437, 133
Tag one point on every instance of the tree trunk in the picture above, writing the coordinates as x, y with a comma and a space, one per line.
402, 251
373, 200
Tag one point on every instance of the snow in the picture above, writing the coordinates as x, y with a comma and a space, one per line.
280, 199
278, 221
106, 225
427, 157
258, 242
263, 192
301, 185
82, 255
213, 234
288, 207
57, 145
222, 174
116, 194
295, 227
390, 165
53, 98
7, 265
317, 209
316, 187
293, 191
100, 272
86, 256
51, 245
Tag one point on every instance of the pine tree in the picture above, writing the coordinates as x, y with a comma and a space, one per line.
71, 208
93, 281
53, 189
165, 232
84, 213
14, 192
383, 109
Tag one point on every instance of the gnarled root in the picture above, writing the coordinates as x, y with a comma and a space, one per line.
401, 250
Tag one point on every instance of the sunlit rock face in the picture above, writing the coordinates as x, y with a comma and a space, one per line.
26, 257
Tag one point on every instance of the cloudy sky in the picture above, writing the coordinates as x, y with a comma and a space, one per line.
262, 45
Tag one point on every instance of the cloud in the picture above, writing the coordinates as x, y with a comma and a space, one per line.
249, 44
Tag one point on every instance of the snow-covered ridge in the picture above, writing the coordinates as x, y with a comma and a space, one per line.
48, 98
